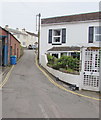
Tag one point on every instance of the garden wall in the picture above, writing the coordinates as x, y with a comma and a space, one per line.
65, 77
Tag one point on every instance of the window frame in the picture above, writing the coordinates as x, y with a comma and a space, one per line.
95, 34
24, 43
57, 54
63, 54
60, 36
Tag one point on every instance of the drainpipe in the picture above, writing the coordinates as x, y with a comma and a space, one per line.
9, 44
7, 47
5, 60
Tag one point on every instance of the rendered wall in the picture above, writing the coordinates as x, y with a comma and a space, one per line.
65, 77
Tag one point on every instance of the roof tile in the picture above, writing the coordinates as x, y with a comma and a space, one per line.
65, 49
72, 18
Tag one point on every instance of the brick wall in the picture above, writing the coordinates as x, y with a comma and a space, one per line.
12, 43
14, 47
4, 33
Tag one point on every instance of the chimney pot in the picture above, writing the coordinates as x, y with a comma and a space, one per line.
23, 29
17, 28
6, 26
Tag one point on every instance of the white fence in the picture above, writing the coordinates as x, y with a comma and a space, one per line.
65, 77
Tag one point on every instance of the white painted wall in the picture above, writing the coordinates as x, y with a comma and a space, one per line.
31, 40
76, 35
65, 77
22, 38
28, 39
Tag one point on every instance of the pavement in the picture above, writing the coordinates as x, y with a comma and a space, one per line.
3, 72
92, 94
29, 94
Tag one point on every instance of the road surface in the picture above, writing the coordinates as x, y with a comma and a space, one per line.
29, 94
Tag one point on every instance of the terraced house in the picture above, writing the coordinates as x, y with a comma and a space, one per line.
72, 34
26, 38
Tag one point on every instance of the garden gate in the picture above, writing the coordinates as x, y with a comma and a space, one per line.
91, 68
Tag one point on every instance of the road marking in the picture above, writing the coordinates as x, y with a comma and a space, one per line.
60, 86
6, 78
2, 75
57, 115
43, 111
8, 74
3, 72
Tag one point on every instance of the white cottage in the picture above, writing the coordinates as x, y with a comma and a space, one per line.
74, 30
67, 35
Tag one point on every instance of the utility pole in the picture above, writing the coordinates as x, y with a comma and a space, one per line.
39, 16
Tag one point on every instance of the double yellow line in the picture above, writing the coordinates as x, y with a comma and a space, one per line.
6, 78
60, 86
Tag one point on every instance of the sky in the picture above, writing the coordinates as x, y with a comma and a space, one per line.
22, 14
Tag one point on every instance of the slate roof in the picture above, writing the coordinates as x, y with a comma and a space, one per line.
72, 18
13, 30
64, 49
9, 33
33, 34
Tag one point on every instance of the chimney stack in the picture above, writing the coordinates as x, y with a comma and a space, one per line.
17, 29
6, 26
23, 29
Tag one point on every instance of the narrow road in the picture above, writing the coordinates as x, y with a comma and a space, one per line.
29, 94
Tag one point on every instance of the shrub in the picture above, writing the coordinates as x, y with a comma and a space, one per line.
51, 59
69, 61
63, 62
73, 63
57, 65
69, 70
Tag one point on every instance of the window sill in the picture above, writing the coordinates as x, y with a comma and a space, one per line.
56, 43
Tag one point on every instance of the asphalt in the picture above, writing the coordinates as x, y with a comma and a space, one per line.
29, 94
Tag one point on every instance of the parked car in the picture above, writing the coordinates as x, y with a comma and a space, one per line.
34, 46
30, 47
